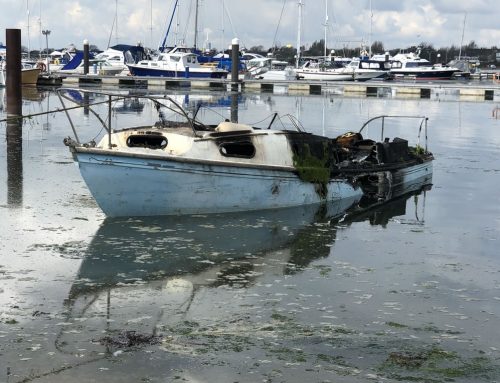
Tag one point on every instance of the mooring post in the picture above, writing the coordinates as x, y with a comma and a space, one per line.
85, 56
235, 63
14, 133
13, 72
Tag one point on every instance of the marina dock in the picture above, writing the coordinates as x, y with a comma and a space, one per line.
485, 88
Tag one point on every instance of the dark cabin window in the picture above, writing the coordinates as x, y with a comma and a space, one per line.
151, 141
243, 149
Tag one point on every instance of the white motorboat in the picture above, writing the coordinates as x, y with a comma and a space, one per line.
2, 75
176, 63
414, 66
266, 68
357, 70
118, 56
29, 74
173, 167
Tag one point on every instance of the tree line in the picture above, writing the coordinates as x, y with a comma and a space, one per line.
443, 55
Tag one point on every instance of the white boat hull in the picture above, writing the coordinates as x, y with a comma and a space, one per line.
141, 186
340, 75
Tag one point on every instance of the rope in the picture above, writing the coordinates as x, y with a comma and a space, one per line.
15, 118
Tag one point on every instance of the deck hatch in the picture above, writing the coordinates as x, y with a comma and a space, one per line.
150, 141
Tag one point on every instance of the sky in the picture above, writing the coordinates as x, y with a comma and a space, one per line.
397, 23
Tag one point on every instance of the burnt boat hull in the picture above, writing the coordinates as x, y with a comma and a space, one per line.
125, 185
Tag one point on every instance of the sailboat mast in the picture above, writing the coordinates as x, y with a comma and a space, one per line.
40, 25
196, 24
223, 31
326, 26
151, 24
299, 30
116, 22
28, 13
177, 23
371, 30
462, 41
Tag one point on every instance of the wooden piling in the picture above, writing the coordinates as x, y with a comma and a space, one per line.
13, 72
235, 64
86, 54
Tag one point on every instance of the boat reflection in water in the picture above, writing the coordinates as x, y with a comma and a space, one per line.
146, 274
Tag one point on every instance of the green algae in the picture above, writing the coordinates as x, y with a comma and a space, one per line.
396, 325
313, 168
436, 365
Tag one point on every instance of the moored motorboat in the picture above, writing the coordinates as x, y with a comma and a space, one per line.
176, 63
413, 66
175, 167
29, 74
358, 69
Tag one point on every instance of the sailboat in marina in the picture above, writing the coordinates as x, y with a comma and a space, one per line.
177, 61
358, 69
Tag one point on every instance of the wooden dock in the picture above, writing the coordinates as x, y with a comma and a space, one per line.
487, 89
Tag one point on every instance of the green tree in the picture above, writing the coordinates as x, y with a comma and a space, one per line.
378, 47
317, 49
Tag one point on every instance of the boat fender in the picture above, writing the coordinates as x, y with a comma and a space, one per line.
41, 66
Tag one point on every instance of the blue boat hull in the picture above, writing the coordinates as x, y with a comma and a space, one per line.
426, 75
137, 186
192, 73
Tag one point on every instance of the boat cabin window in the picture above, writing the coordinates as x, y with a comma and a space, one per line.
175, 59
370, 65
242, 149
397, 64
150, 141
191, 59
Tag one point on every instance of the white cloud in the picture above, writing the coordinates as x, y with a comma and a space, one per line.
395, 23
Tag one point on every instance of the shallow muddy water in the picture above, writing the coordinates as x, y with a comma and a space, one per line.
408, 291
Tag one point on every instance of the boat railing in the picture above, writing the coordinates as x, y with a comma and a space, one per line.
63, 93
422, 125
295, 122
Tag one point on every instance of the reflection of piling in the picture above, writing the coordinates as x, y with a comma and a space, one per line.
235, 64
14, 162
14, 133
85, 56
86, 100
234, 107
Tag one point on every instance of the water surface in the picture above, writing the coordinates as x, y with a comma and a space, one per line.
408, 291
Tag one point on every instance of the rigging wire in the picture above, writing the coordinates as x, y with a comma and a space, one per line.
277, 27
188, 19
231, 22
